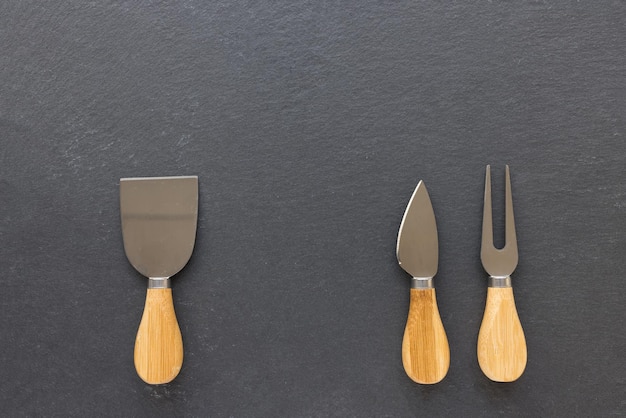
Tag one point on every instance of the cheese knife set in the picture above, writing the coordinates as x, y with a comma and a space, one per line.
159, 219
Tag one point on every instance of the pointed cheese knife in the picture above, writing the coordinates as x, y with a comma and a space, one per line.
425, 350
159, 217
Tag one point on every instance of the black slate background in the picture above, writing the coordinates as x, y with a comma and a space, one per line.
309, 124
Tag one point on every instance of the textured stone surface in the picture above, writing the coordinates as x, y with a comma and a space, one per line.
309, 124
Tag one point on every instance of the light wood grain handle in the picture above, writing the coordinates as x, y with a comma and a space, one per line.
425, 350
159, 344
501, 342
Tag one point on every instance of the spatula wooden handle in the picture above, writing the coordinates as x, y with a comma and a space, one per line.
159, 344
425, 350
501, 342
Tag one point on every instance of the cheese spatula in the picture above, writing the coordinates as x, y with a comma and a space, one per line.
159, 217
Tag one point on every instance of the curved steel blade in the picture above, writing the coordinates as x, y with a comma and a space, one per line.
418, 248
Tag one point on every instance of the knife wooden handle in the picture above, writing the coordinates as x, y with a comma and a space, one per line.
425, 350
501, 342
159, 344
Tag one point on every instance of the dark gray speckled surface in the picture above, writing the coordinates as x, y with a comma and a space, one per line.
309, 124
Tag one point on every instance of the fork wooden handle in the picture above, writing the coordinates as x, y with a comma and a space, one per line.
159, 344
501, 342
425, 350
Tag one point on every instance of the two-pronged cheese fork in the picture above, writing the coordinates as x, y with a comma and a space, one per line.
501, 343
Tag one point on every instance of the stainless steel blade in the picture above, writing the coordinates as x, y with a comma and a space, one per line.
418, 248
159, 218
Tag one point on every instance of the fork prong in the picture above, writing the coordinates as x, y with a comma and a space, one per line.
487, 238
498, 262
510, 236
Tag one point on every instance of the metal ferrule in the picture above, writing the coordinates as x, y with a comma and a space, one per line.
422, 283
159, 283
499, 281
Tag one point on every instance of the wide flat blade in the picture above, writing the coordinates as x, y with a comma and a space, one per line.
159, 218
418, 247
